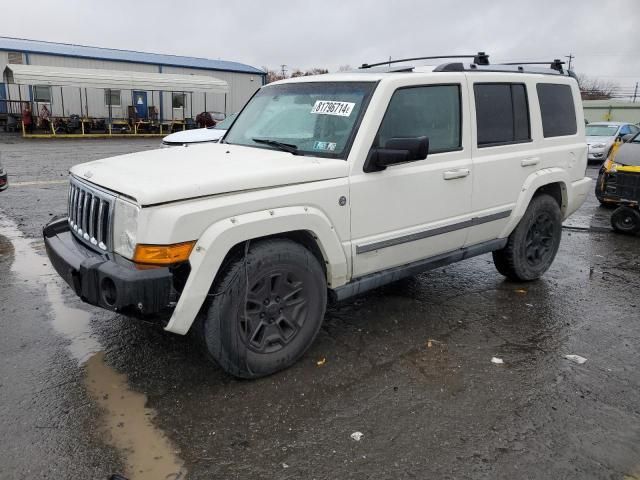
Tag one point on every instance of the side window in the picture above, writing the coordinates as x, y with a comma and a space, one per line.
625, 130
502, 113
432, 111
42, 93
557, 109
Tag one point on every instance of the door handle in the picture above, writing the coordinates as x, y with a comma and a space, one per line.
459, 173
528, 162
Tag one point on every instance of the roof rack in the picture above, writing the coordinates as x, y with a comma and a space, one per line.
480, 58
480, 63
556, 64
504, 68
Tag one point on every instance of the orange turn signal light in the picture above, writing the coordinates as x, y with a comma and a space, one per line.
163, 254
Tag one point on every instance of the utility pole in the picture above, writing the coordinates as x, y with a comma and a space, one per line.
635, 93
570, 57
283, 70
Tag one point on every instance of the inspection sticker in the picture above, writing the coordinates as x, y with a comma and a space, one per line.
329, 107
326, 146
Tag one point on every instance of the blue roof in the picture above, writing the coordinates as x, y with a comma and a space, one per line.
70, 50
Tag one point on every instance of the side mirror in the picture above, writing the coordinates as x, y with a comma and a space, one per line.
397, 150
627, 137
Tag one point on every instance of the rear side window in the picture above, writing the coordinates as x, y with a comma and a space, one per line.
502, 113
432, 111
557, 109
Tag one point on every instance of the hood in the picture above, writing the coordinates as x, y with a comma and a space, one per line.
605, 140
628, 154
196, 135
171, 174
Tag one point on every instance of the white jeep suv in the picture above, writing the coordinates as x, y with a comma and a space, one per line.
326, 187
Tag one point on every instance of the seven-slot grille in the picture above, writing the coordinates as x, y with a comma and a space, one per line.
90, 211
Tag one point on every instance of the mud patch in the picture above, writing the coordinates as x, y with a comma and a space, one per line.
149, 454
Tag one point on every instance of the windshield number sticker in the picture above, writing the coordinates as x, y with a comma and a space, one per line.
329, 107
325, 146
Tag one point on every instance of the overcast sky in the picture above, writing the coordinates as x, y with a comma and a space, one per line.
603, 35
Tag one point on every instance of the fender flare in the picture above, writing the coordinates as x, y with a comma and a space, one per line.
219, 238
537, 179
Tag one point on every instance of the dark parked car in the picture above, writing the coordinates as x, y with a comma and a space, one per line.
627, 157
4, 182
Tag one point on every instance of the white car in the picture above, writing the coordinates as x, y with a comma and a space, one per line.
327, 186
602, 135
199, 135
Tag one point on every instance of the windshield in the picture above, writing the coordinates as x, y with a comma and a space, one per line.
315, 118
226, 123
601, 130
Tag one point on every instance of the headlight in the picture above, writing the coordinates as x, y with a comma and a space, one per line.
125, 226
598, 145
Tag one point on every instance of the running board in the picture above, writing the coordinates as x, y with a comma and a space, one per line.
378, 279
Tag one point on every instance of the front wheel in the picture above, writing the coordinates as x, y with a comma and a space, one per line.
266, 309
626, 220
532, 246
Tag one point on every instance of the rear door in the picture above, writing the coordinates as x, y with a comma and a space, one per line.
504, 150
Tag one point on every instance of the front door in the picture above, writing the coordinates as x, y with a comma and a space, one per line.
3, 97
420, 209
140, 102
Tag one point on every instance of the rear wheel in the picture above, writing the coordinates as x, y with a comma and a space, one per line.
266, 310
626, 220
532, 246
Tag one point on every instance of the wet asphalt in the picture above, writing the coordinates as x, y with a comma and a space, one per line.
85, 393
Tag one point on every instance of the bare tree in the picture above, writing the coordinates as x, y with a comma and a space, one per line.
272, 75
344, 68
596, 89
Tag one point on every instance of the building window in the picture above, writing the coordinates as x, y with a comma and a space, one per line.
432, 111
15, 58
502, 113
178, 99
557, 109
42, 93
114, 101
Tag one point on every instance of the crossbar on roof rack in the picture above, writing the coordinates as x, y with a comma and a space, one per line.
479, 58
556, 64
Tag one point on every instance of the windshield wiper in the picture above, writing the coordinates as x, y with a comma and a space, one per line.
285, 147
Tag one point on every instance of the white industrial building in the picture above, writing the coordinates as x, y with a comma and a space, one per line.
171, 86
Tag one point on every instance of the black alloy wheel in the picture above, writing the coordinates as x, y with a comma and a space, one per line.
274, 312
539, 240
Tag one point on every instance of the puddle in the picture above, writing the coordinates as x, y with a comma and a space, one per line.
147, 452
33, 268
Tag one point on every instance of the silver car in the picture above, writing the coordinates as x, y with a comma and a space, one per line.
602, 135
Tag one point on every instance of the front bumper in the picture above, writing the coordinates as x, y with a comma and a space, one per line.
106, 280
597, 156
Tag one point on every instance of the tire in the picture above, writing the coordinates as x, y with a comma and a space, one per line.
626, 220
533, 245
265, 310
